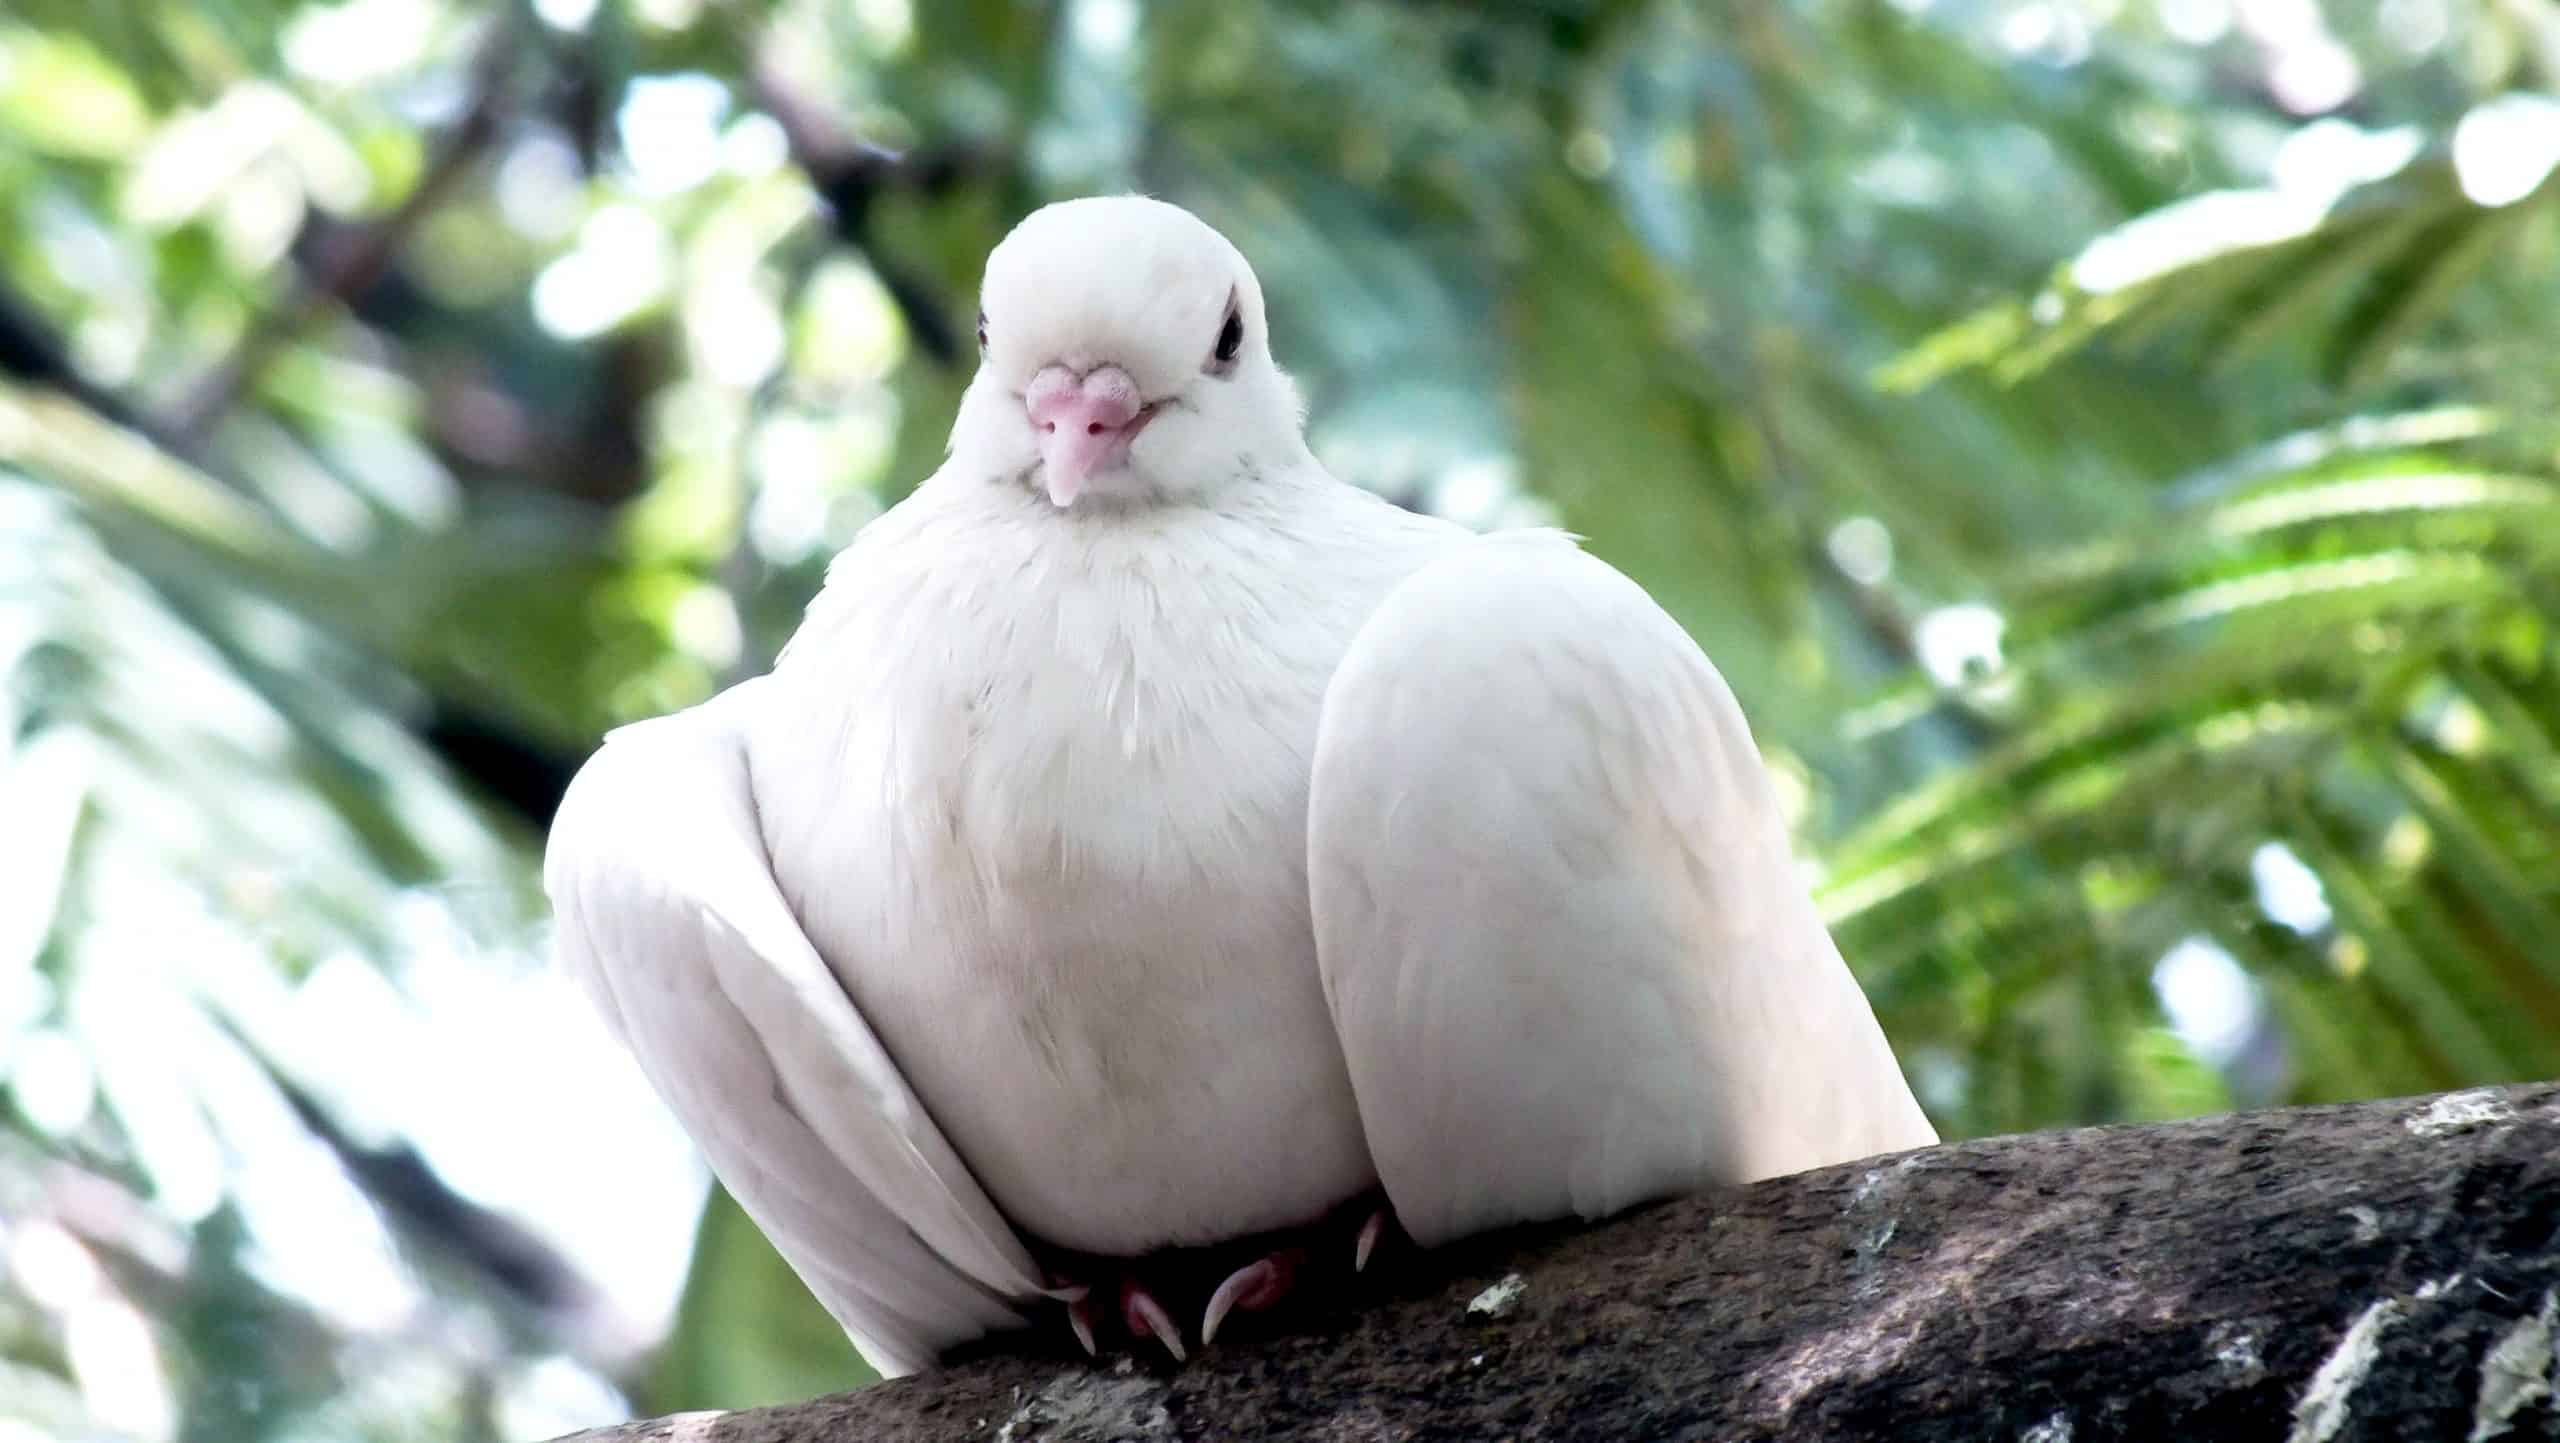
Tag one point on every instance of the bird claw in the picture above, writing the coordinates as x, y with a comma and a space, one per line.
1290, 1269
1370, 1232
1080, 1322
1254, 1286
1147, 1319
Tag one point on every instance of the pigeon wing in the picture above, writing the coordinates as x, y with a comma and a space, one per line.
669, 917
1565, 943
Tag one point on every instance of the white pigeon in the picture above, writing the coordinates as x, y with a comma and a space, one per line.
1149, 840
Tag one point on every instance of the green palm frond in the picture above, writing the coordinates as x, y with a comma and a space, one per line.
2352, 276
174, 872
2350, 658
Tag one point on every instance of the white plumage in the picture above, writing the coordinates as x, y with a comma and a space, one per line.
1149, 840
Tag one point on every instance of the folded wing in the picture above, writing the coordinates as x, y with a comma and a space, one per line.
1567, 948
668, 915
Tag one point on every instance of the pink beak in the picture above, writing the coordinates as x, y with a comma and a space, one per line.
1084, 425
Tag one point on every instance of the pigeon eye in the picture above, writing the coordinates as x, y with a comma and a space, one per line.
982, 330
1230, 340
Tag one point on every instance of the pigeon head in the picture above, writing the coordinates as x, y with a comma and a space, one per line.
1124, 359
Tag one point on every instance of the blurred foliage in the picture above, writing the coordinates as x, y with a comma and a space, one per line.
2106, 443
746, 1333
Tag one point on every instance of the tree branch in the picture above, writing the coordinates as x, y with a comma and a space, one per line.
849, 174
339, 274
2379, 1270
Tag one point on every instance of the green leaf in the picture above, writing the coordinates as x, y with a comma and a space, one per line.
2415, 288
58, 94
747, 1332
2163, 1079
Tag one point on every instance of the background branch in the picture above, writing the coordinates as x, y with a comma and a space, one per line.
338, 273
849, 174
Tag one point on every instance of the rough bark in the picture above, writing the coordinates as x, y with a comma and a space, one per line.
2380, 1270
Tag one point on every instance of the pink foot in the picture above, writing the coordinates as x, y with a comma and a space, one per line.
1291, 1264
1253, 1287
